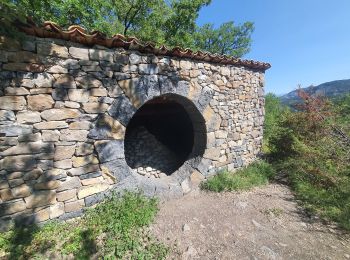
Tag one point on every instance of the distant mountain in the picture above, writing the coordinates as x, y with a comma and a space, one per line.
328, 89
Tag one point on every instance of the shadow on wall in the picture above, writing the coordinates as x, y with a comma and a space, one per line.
59, 108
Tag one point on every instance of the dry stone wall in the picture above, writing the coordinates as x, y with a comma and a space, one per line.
64, 109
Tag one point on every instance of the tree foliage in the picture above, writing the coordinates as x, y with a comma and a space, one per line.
168, 22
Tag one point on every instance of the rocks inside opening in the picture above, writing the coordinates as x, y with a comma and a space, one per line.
160, 137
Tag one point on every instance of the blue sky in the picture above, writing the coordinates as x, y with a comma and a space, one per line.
306, 41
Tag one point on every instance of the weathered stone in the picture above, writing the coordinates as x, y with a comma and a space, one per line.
16, 91
21, 191
43, 80
92, 181
60, 94
80, 125
11, 207
15, 129
15, 182
95, 108
81, 161
109, 150
89, 190
40, 102
148, 69
28, 148
32, 175
73, 135
6, 195
78, 95
71, 104
6, 115
212, 153
52, 50
69, 184
91, 68
101, 55
65, 81
64, 164
122, 110
18, 163
32, 67
51, 125
79, 53
63, 152
84, 169
28, 117
50, 135
57, 69
90, 175
88, 82
12, 103
40, 198
14, 175
56, 210
67, 195
59, 114
221, 134
30, 138
98, 92
107, 128
4, 184
74, 205
84, 149
36, 91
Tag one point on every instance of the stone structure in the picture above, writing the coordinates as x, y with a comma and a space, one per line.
65, 110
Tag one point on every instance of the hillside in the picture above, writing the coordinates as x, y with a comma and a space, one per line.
329, 89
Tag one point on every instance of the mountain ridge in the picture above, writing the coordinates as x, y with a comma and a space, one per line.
329, 89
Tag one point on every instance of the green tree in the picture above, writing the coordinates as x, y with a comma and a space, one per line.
228, 39
168, 22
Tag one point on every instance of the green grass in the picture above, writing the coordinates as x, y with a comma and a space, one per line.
256, 174
332, 203
114, 229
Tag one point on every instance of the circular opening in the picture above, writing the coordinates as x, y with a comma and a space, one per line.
162, 135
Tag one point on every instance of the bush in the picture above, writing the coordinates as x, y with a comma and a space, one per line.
256, 174
113, 229
311, 146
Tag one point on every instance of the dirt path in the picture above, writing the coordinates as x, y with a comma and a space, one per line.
264, 223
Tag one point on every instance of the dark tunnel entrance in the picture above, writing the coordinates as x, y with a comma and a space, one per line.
159, 138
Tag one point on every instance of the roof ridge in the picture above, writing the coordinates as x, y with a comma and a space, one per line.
76, 33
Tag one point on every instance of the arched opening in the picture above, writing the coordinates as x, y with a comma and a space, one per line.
163, 134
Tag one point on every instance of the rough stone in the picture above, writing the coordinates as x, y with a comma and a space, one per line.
49, 185
57, 69
73, 135
40, 198
84, 149
122, 110
69, 184
107, 128
78, 95
63, 152
50, 135
40, 102
65, 81
16, 91
109, 150
18, 163
89, 190
101, 55
29, 148
11, 207
50, 125
56, 210
74, 205
59, 114
79, 53
28, 117
12, 102
66, 195
7, 115
80, 125
64, 164
82, 161
95, 108
52, 50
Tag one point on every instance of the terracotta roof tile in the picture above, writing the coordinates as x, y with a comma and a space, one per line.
77, 34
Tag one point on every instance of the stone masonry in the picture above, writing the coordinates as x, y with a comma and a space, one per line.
64, 109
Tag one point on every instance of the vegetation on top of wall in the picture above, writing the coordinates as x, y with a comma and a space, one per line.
115, 228
172, 23
256, 174
312, 147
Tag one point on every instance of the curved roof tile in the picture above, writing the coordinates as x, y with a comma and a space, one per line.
77, 34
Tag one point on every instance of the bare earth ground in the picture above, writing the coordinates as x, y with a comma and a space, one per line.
265, 223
